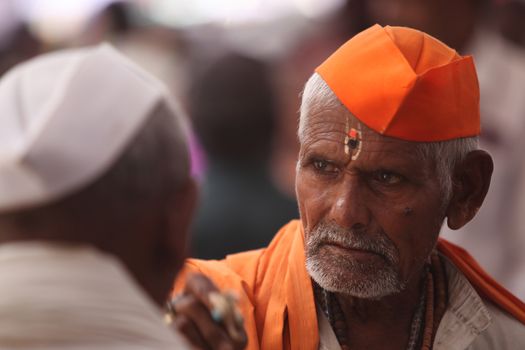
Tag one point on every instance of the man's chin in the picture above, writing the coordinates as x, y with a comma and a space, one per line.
354, 279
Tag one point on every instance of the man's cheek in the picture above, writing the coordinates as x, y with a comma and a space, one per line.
309, 208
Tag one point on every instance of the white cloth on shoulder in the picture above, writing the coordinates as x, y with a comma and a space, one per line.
75, 297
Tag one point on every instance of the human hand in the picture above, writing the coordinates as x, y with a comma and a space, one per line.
208, 318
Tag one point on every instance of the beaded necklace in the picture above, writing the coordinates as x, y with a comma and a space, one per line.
425, 321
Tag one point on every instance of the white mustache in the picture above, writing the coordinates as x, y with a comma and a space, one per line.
331, 233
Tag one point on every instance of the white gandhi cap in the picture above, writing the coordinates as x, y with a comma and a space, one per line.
65, 117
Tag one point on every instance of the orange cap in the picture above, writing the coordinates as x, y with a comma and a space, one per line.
405, 84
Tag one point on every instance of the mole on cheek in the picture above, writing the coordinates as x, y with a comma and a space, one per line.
407, 211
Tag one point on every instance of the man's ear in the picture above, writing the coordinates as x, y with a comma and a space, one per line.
470, 184
180, 218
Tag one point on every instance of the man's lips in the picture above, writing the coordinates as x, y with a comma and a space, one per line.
352, 250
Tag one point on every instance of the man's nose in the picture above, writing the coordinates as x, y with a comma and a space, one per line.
349, 208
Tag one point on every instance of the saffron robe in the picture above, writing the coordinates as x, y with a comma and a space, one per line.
276, 295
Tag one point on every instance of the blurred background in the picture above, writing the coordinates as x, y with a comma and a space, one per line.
238, 67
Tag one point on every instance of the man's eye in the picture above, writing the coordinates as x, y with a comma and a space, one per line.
388, 178
324, 166
320, 164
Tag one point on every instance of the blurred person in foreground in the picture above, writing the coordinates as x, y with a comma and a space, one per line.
232, 106
388, 133
463, 24
95, 203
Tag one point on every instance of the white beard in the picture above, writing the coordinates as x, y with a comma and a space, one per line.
347, 276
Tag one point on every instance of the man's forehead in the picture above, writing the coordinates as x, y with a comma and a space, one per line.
326, 126
338, 120
319, 116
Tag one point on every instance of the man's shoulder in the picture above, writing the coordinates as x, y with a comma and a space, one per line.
239, 265
480, 314
504, 331
246, 268
484, 284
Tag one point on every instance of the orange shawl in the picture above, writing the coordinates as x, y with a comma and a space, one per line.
276, 293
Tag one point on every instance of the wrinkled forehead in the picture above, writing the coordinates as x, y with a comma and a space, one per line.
324, 117
331, 127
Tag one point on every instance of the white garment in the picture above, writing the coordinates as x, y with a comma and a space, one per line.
501, 72
67, 116
75, 298
516, 270
469, 323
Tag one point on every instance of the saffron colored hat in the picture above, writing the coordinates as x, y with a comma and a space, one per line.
403, 83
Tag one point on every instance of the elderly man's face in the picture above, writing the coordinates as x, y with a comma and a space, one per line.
372, 221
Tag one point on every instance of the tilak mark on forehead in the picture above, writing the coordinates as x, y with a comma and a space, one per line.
353, 140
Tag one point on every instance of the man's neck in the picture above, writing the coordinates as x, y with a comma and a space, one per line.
382, 323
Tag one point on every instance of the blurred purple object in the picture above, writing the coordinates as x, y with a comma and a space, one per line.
198, 158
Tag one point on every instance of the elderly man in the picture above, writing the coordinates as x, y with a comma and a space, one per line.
389, 152
95, 202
